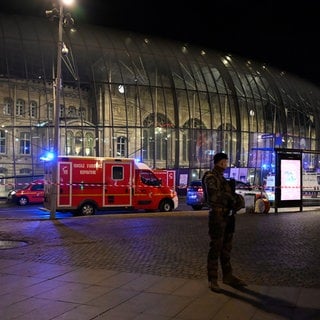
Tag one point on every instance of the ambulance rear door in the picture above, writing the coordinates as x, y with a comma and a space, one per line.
65, 184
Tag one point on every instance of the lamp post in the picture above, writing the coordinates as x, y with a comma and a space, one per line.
63, 19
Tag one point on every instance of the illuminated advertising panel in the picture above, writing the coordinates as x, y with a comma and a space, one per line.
288, 188
290, 179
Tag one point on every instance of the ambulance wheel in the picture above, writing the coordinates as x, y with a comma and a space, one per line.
23, 201
166, 205
87, 209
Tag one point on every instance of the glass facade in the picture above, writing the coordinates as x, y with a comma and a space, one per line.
125, 95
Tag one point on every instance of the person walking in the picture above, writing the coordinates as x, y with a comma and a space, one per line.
223, 203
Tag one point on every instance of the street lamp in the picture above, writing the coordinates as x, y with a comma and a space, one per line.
251, 113
64, 19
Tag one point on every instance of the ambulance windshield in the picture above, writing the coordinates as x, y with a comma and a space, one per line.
148, 178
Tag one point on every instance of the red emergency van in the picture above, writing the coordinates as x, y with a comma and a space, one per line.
87, 184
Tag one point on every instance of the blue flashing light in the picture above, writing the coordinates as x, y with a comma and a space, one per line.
48, 156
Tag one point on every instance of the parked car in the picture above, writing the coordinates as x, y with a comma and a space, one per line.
31, 193
195, 196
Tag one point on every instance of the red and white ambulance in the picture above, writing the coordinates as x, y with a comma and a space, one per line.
87, 184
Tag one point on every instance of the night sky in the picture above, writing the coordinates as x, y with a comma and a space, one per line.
281, 33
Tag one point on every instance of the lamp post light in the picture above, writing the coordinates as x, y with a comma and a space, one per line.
251, 113
63, 20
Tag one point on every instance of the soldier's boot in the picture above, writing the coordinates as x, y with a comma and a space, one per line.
233, 281
213, 285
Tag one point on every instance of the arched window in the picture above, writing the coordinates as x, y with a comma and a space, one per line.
78, 143
89, 144
20, 107
2, 141
70, 143
121, 146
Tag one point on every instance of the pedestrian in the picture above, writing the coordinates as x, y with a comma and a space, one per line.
223, 203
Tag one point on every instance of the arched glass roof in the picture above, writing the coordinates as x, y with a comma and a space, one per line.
170, 104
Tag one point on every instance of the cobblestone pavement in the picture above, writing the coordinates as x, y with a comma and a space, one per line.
274, 249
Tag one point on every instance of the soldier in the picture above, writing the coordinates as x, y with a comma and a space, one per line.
223, 203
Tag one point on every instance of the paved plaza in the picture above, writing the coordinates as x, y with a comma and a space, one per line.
153, 266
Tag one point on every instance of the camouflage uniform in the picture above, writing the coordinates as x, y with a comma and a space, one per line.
221, 200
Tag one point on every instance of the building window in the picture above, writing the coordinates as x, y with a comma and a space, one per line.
25, 171
82, 113
62, 111
69, 143
33, 109
20, 107
3, 171
78, 143
2, 141
121, 146
72, 112
7, 106
50, 111
89, 144
25, 144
